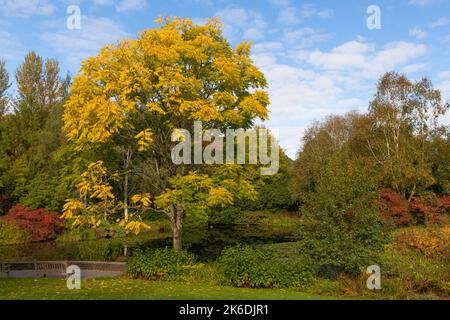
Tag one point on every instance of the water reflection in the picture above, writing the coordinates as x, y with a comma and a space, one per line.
206, 242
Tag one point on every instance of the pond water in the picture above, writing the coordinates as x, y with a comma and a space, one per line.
206, 243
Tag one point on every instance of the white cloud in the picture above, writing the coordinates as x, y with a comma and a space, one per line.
395, 55
310, 10
26, 8
444, 87
300, 96
349, 55
290, 14
312, 84
270, 46
238, 21
131, 5
358, 55
305, 37
77, 45
324, 14
10, 47
418, 33
444, 74
441, 22
415, 67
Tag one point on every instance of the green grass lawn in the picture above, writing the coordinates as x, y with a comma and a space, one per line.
124, 288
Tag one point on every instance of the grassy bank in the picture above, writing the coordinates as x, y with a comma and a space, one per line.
124, 288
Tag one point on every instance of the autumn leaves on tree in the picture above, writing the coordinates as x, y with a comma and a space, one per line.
131, 97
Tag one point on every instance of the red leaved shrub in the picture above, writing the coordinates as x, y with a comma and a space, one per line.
428, 211
444, 204
40, 224
394, 208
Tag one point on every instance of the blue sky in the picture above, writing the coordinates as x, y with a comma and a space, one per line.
319, 56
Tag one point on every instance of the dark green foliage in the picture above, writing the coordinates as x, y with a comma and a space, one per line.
341, 229
273, 195
273, 191
227, 215
244, 266
159, 264
32, 140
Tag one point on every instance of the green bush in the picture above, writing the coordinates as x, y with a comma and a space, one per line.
244, 266
159, 264
340, 227
228, 215
12, 234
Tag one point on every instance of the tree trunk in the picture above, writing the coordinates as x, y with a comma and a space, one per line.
177, 228
413, 191
125, 184
177, 244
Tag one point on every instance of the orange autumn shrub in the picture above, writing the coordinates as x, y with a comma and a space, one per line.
428, 241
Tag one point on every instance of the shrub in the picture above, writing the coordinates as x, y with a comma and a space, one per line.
228, 215
430, 242
41, 225
428, 210
340, 229
444, 204
417, 261
424, 210
415, 272
12, 234
393, 208
159, 264
244, 266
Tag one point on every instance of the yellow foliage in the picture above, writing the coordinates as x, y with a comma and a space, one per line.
178, 70
99, 201
144, 138
143, 199
429, 241
134, 226
220, 197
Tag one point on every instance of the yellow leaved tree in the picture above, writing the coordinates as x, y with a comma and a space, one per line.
134, 94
